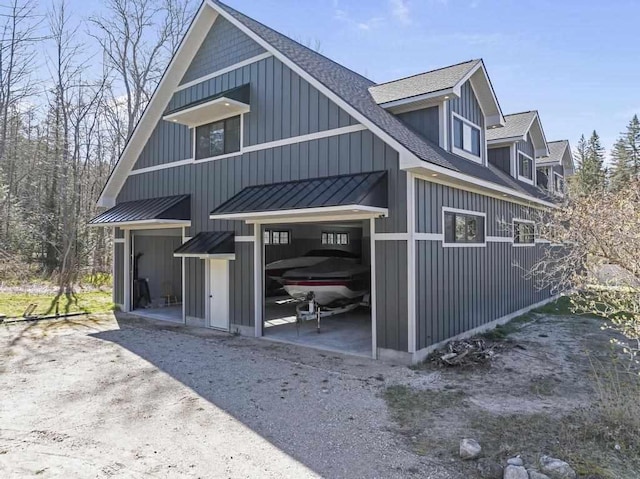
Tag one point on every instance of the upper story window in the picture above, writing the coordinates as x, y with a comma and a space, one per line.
466, 138
558, 183
463, 228
218, 138
524, 232
525, 167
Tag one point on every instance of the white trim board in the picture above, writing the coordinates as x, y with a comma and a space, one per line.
244, 239
222, 71
251, 148
322, 213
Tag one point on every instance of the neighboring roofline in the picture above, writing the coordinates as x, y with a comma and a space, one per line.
428, 71
511, 139
191, 42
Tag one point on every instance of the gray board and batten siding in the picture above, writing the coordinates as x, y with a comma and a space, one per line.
425, 122
501, 158
458, 289
526, 146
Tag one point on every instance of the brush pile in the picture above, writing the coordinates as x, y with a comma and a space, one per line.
466, 352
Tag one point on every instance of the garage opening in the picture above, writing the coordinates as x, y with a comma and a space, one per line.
317, 285
156, 275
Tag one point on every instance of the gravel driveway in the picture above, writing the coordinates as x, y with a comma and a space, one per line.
100, 397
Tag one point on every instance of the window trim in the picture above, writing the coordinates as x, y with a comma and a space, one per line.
335, 233
194, 141
447, 209
462, 152
513, 234
533, 167
270, 231
555, 173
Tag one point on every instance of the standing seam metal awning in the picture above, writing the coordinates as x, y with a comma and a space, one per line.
356, 195
208, 244
168, 210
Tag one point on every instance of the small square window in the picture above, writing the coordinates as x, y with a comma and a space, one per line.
335, 238
524, 232
463, 228
278, 237
218, 138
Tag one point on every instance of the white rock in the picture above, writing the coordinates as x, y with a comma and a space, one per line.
556, 469
515, 461
537, 475
469, 449
515, 472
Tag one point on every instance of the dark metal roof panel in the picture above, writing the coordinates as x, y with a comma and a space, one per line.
209, 242
240, 93
367, 189
167, 208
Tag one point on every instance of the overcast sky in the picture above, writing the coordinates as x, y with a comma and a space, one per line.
576, 61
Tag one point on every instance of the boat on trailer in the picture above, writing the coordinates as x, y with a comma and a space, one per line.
335, 281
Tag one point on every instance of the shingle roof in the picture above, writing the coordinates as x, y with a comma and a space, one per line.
367, 189
164, 208
353, 89
516, 124
422, 83
556, 152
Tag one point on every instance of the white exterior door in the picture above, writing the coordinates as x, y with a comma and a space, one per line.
219, 294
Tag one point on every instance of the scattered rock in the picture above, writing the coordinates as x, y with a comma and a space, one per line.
515, 472
467, 352
515, 461
537, 475
556, 469
489, 469
469, 449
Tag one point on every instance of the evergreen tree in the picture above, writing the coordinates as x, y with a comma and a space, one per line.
591, 175
620, 167
632, 140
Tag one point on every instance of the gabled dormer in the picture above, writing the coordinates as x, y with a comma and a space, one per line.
515, 148
554, 169
451, 106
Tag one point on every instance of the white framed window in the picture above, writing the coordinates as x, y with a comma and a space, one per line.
335, 238
467, 138
218, 139
524, 232
463, 228
273, 237
558, 183
525, 167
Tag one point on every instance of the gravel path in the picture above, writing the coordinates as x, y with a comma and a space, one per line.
98, 397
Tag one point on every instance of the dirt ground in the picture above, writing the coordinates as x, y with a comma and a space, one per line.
107, 397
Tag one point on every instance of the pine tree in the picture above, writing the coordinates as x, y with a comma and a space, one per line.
620, 167
632, 140
591, 175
